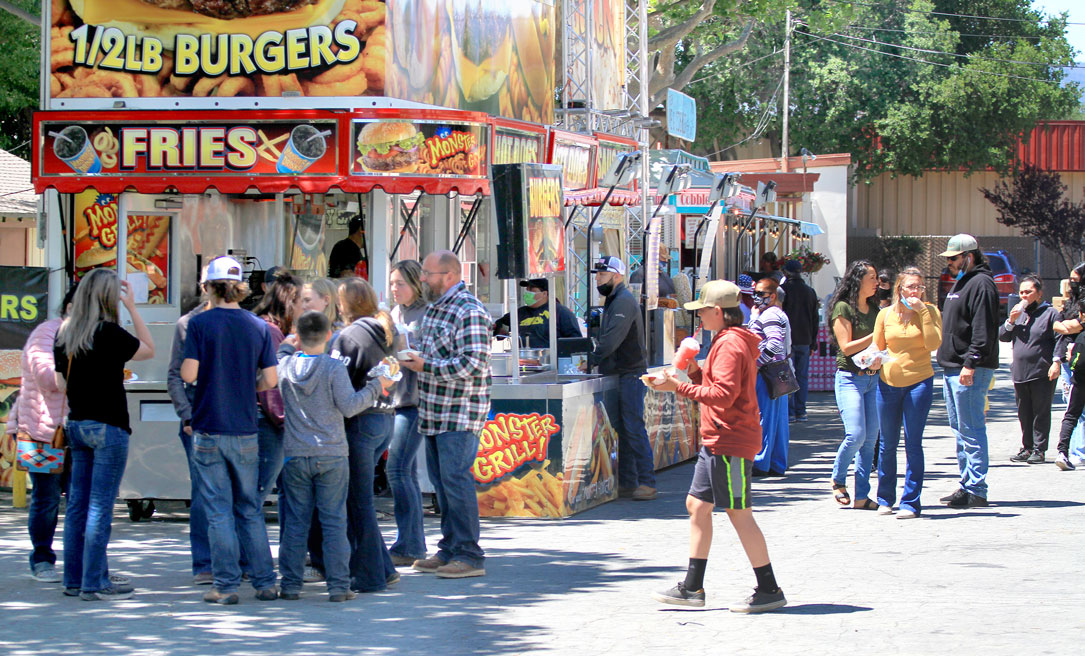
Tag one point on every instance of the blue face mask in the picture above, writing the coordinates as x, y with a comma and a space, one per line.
905, 302
960, 274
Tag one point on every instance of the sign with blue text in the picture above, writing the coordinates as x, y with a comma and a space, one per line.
681, 115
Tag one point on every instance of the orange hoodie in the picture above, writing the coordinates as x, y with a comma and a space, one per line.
725, 386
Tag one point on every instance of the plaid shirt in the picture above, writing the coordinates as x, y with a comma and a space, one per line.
454, 385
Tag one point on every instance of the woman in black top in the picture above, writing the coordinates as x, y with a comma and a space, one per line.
90, 353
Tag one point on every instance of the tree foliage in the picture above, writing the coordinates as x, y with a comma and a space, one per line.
902, 89
18, 77
1035, 202
895, 253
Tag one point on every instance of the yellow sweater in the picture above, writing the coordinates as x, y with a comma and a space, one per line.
910, 343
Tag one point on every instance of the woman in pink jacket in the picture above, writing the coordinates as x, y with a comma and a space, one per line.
38, 410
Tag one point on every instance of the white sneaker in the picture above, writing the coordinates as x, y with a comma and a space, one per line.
906, 514
45, 573
1078, 461
312, 575
885, 510
1063, 463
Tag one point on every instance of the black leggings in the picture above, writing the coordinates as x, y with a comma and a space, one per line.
1034, 412
1073, 414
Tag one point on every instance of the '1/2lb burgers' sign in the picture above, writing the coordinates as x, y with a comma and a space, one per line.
23, 293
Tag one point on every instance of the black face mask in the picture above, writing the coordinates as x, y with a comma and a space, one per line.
1074, 286
605, 289
882, 294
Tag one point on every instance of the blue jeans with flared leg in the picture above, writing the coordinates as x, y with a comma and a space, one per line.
908, 406
857, 400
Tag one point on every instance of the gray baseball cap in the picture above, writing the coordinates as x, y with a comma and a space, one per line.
958, 244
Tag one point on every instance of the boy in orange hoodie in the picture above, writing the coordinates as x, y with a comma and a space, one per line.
731, 438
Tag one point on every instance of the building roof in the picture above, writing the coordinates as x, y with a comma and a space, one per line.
17, 197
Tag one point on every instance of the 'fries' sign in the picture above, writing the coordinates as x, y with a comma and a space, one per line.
278, 148
508, 441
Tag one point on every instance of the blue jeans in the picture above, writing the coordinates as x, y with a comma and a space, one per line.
1077, 438
800, 360
315, 482
227, 470
856, 398
450, 457
775, 431
910, 406
270, 439
42, 517
636, 466
965, 407
403, 479
197, 516
99, 454
368, 436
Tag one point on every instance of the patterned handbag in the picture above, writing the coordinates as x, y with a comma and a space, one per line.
39, 457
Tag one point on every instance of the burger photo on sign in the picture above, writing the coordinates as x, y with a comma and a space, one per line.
389, 147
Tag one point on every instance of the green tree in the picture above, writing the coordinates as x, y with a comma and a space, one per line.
900, 87
19, 77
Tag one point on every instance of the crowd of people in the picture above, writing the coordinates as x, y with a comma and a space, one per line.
305, 393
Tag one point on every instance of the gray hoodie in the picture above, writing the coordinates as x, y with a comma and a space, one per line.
317, 395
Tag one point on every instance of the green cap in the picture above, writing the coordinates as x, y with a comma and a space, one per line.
958, 244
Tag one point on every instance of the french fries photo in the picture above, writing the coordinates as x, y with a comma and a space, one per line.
538, 493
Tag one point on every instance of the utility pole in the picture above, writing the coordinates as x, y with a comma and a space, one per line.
787, 91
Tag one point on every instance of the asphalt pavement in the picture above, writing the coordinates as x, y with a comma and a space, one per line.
999, 580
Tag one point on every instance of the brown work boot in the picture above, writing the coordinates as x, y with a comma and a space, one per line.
644, 493
427, 565
457, 569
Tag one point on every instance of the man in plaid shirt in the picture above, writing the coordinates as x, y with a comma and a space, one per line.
453, 401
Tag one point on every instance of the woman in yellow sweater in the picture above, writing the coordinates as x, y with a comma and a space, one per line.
910, 329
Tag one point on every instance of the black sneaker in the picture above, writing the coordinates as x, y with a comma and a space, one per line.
289, 595
1022, 456
1037, 458
760, 602
267, 594
957, 497
71, 592
679, 596
969, 501
106, 594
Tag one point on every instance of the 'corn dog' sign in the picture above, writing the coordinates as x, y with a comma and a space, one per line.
219, 148
508, 441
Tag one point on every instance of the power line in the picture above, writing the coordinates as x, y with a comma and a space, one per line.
924, 61
943, 13
762, 122
951, 54
983, 36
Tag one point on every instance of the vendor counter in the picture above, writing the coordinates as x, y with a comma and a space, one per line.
550, 448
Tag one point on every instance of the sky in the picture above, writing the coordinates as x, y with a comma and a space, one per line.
1076, 10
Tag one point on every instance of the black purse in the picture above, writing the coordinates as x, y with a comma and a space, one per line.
779, 378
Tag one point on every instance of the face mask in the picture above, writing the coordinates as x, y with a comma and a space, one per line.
882, 294
960, 274
760, 302
529, 298
905, 302
605, 289
1074, 286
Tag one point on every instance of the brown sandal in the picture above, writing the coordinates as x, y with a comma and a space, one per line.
842, 497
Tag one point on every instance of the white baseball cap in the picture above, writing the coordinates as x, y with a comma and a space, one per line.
223, 268
611, 264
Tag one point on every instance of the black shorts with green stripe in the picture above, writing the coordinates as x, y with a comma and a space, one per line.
722, 480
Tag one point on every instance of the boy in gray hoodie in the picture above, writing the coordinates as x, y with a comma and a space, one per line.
317, 395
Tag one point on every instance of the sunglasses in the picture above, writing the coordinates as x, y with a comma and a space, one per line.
762, 294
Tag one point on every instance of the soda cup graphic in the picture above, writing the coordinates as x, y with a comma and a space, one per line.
72, 146
304, 147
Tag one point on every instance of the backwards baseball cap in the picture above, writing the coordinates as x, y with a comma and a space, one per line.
536, 283
745, 284
958, 244
354, 225
793, 266
716, 293
223, 268
611, 264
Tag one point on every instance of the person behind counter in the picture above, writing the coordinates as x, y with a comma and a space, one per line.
89, 355
534, 316
666, 285
347, 252
731, 437
620, 352
228, 355
453, 401
38, 410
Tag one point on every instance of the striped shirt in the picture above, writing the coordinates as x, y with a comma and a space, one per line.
454, 385
774, 330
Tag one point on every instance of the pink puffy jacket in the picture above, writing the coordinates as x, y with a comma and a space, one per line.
40, 406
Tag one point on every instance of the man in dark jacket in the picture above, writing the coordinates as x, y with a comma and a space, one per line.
534, 316
620, 352
801, 307
969, 356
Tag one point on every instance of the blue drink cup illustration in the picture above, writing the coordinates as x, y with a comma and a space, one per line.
305, 146
72, 146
